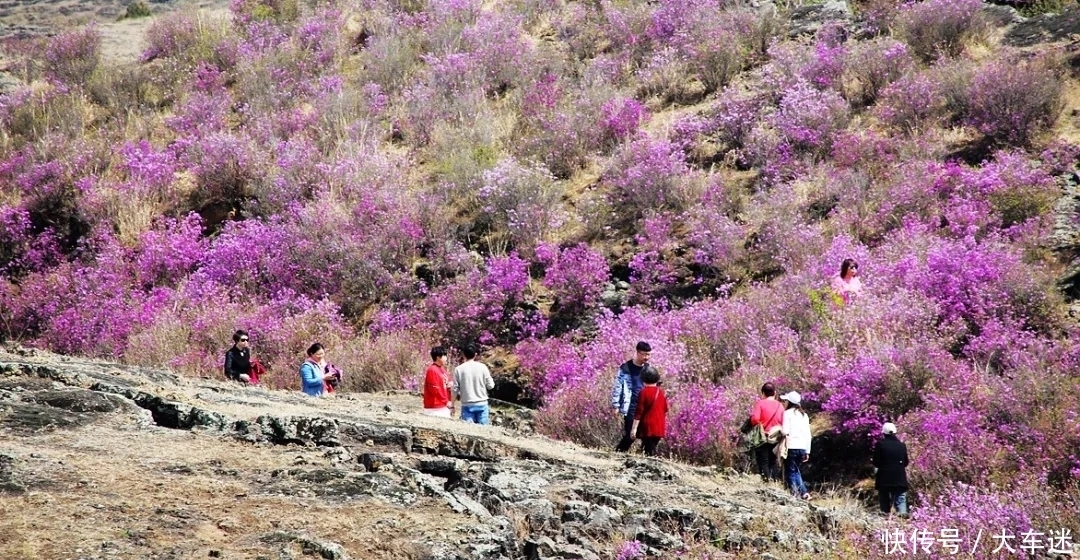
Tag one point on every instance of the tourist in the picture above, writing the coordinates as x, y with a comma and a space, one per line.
471, 383
313, 374
437, 385
627, 389
796, 430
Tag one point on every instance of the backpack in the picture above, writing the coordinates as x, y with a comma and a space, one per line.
757, 436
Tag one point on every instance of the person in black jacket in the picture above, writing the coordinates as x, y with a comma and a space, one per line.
890, 462
238, 358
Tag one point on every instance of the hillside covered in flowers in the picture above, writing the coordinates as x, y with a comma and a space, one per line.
556, 180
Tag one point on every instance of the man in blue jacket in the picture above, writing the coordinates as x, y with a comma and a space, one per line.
624, 394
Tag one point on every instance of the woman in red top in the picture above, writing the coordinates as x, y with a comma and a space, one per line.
650, 416
769, 413
436, 386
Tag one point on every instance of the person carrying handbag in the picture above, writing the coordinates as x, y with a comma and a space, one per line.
767, 416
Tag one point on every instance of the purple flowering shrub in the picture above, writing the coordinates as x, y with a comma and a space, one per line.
647, 174
558, 124
702, 423
870, 66
169, 252
550, 370
975, 282
620, 118
821, 65
800, 130
912, 103
177, 42
697, 42
169, 36
734, 115
187, 331
808, 119
715, 241
654, 269
576, 276
85, 307
279, 67
488, 304
630, 550
939, 28
500, 55
976, 522
519, 206
70, 58
1011, 101
21, 251
312, 251
863, 388
580, 412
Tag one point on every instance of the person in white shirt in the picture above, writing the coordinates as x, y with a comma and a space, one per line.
472, 380
796, 430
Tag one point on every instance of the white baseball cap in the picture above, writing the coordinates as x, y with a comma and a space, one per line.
792, 397
888, 428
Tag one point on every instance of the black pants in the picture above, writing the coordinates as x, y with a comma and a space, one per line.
766, 462
627, 438
649, 444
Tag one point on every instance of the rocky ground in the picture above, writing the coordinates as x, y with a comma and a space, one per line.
99, 460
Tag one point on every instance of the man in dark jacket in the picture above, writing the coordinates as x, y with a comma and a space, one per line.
627, 388
238, 358
890, 461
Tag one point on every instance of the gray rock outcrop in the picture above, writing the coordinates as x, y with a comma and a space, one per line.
500, 494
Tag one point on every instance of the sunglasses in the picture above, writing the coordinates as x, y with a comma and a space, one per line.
243, 340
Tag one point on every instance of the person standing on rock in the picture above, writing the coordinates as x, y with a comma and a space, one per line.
890, 462
650, 414
437, 386
238, 358
313, 375
472, 380
796, 430
627, 389
769, 414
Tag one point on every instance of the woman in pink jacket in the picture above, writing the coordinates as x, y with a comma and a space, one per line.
847, 285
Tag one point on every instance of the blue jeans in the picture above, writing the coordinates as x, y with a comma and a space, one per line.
475, 413
793, 472
894, 496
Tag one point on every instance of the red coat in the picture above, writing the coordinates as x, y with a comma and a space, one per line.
257, 370
767, 412
651, 412
435, 393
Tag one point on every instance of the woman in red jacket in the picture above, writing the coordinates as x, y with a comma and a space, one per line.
650, 416
436, 386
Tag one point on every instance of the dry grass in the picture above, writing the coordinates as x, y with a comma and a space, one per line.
1068, 121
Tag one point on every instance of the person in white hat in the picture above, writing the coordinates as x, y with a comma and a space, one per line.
891, 460
796, 430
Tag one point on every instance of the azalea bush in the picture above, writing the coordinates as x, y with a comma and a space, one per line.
1011, 101
939, 28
